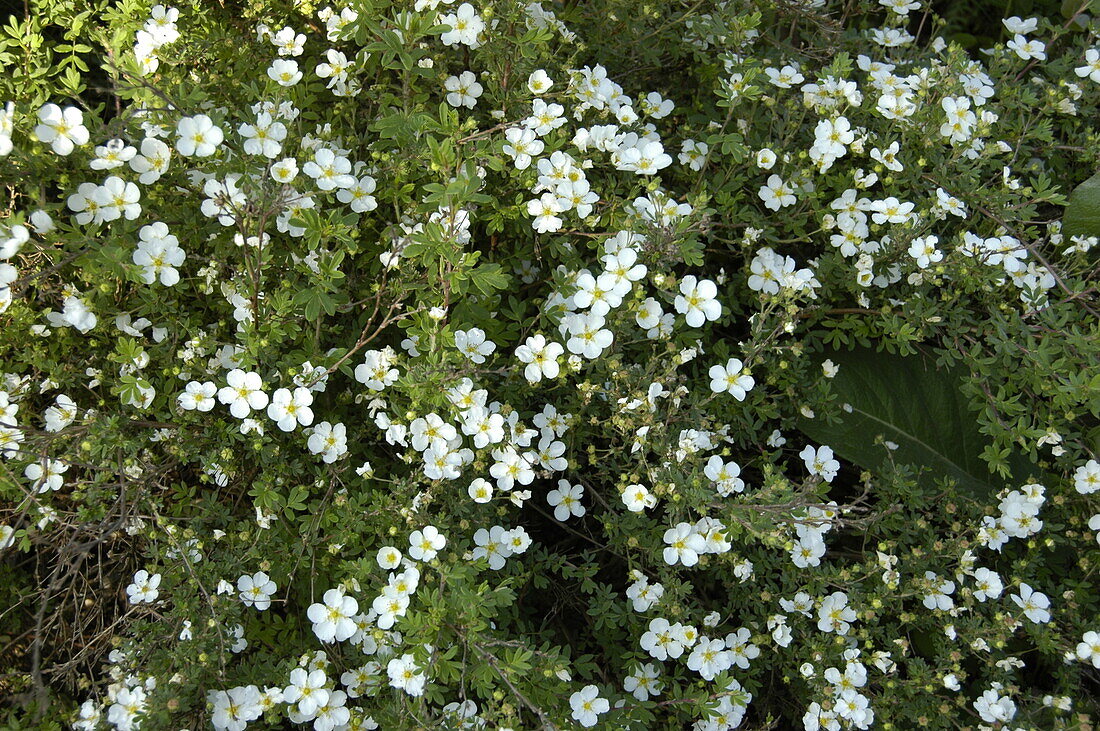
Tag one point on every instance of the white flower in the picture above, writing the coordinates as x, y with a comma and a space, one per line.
46, 475
522, 146
243, 393
724, 475
62, 129
144, 588
545, 118
158, 254
1089, 648
117, 198
697, 301
197, 396
473, 345
730, 379
332, 617
643, 683
541, 358
75, 314
1027, 49
335, 70
61, 414
112, 155
388, 557
566, 500
307, 690
197, 136
820, 462
1033, 603
588, 337
463, 90
465, 24
256, 590
1016, 24
480, 490
683, 545
784, 78
7, 126
129, 704
152, 162
709, 658
538, 82
1086, 479
288, 42
834, 614
233, 709
359, 195
289, 408
545, 210
1091, 69
285, 170
406, 675
776, 194
587, 706
637, 498
284, 72
994, 708
328, 440
425, 544
265, 137
496, 545
329, 170
987, 584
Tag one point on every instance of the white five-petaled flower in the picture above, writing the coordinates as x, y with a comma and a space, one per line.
541, 357
63, 129
332, 616
256, 590
284, 72
1033, 603
328, 440
472, 344
697, 301
730, 378
683, 545
545, 210
820, 462
307, 689
776, 194
198, 396
1088, 650
566, 500
463, 90
587, 335
289, 408
244, 392
197, 136
425, 544
144, 588
1086, 478
587, 706
158, 253
465, 24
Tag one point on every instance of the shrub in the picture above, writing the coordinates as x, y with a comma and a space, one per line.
644, 366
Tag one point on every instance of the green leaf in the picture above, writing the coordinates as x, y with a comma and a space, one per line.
907, 400
1082, 217
489, 277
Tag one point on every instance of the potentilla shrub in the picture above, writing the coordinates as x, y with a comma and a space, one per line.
527, 365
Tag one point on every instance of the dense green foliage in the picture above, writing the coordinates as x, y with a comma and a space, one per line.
518, 365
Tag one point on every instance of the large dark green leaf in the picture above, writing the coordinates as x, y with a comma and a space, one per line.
1082, 217
910, 402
